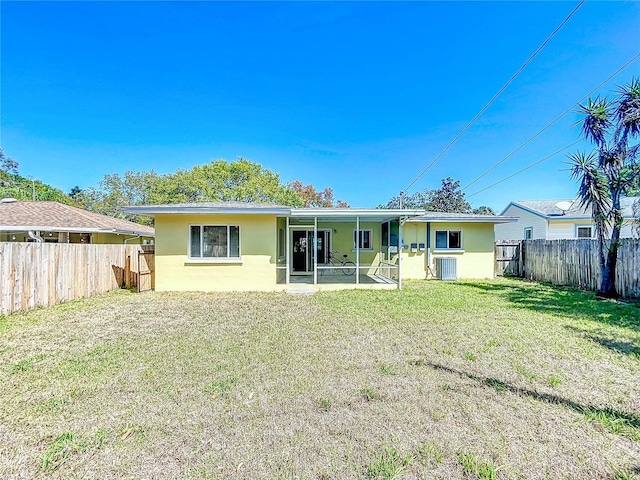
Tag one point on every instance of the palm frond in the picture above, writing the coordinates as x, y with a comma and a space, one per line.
594, 187
627, 107
597, 119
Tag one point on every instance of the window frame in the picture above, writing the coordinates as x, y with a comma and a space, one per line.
212, 259
591, 230
530, 229
448, 236
282, 243
359, 238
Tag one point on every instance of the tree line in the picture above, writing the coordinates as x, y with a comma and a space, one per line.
218, 181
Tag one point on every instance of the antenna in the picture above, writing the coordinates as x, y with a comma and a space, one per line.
564, 206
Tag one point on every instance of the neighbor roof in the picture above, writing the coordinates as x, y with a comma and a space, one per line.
550, 210
54, 216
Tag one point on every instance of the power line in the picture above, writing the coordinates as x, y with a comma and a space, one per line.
552, 123
513, 77
525, 168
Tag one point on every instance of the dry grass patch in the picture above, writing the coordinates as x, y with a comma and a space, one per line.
503, 379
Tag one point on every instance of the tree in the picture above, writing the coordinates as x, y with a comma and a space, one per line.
75, 192
484, 210
448, 198
608, 172
416, 201
8, 165
13, 185
313, 198
217, 181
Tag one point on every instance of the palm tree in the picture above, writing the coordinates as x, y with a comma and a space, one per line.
609, 171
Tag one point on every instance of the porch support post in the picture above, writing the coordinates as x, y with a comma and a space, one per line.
400, 248
315, 250
287, 253
357, 250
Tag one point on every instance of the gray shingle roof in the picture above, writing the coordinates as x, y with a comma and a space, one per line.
549, 208
54, 216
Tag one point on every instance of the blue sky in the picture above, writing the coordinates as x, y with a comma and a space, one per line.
358, 96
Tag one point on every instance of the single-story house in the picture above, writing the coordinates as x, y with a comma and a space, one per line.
556, 219
26, 221
248, 246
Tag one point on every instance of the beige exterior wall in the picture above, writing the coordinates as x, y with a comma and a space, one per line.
414, 264
568, 229
474, 260
254, 272
515, 231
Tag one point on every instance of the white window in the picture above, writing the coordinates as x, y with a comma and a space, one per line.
528, 233
584, 231
448, 239
362, 239
214, 241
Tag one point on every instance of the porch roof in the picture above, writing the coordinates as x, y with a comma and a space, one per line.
350, 214
441, 217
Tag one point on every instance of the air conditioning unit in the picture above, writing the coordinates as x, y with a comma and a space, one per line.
446, 268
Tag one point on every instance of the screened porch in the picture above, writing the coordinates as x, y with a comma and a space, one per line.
335, 247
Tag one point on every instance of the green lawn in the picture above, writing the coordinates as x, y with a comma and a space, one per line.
503, 379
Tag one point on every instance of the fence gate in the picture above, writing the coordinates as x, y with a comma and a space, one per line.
509, 259
146, 264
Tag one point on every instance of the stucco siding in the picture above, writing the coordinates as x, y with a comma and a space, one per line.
255, 271
414, 263
515, 230
475, 258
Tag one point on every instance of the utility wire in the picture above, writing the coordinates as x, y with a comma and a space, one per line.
513, 77
525, 168
552, 123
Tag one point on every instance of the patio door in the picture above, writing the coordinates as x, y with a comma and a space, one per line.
302, 250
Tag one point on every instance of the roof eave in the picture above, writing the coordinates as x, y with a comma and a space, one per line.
495, 220
151, 211
48, 228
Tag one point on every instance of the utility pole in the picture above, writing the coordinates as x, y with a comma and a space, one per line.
401, 195
33, 187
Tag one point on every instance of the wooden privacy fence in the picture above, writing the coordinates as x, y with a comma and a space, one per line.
44, 274
575, 263
508, 258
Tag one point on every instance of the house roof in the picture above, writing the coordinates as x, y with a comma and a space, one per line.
246, 208
439, 217
550, 210
56, 217
322, 214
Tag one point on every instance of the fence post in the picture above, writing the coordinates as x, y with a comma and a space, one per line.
521, 259
127, 271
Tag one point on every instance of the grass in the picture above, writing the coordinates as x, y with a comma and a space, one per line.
389, 464
476, 467
489, 379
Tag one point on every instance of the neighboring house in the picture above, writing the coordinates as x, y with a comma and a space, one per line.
57, 223
243, 246
556, 219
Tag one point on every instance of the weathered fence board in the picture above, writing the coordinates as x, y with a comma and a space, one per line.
508, 258
44, 274
575, 263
